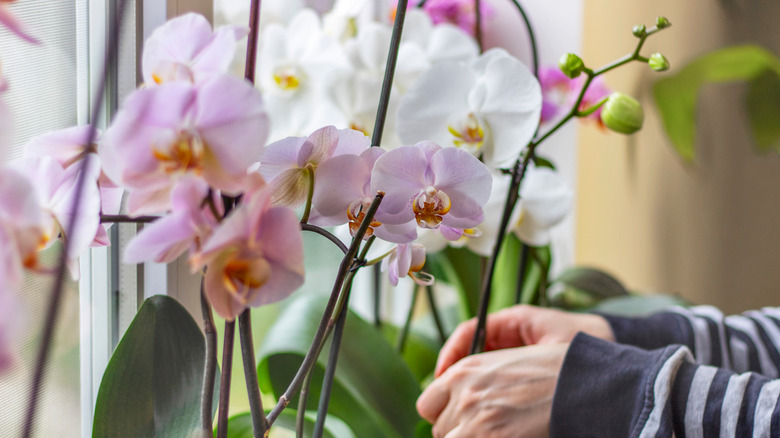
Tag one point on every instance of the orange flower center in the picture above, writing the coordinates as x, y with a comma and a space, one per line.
186, 154
430, 206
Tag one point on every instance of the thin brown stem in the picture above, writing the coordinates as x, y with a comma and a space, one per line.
210, 365
124, 219
320, 336
55, 302
224, 383
251, 44
259, 423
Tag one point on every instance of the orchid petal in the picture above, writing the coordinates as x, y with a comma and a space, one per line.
399, 173
465, 180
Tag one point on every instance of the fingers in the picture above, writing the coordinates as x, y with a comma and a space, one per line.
433, 400
504, 330
457, 346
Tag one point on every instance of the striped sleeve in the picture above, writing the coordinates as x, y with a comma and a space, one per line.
741, 343
613, 390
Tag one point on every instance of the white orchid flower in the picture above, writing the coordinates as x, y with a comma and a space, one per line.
490, 107
545, 200
297, 64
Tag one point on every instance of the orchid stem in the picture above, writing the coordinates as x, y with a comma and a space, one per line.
435, 312
518, 173
260, 424
377, 283
387, 82
251, 46
124, 219
531, 36
55, 302
309, 196
525, 249
404, 334
478, 24
325, 233
210, 365
322, 330
330, 368
224, 383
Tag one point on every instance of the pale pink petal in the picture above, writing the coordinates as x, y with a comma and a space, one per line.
351, 142
340, 181
400, 173
63, 145
403, 233
280, 156
224, 303
282, 242
140, 203
231, 119
319, 147
179, 40
162, 241
218, 54
465, 180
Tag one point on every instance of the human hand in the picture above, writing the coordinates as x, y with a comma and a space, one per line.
519, 326
506, 393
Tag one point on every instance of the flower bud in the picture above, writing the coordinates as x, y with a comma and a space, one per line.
571, 65
622, 114
658, 62
662, 22
639, 31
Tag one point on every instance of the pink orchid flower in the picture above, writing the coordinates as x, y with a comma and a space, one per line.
460, 13
189, 225
556, 93
407, 259
214, 130
434, 186
25, 227
68, 147
286, 164
186, 49
342, 194
9, 20
56, 191
254, 257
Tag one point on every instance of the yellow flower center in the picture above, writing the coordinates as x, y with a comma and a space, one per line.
287, 78
468, 133
430, 206
184, 155
242, 274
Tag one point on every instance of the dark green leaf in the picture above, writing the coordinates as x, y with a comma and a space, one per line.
763, 109
592, 281
240, 426
420, 352
504, 285
676, 96
638, 305
153, 381
543, 162
462, 269
424, 430
374, 392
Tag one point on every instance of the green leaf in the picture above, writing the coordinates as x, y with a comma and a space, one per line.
420, 353
638, 305
374, 392
240, 426
543, 162
676, 96
153, 381
763, 109
462, 269
504, 285
592, 281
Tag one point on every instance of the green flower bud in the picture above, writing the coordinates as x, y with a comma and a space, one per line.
662, 22
639, 31
571, 65
622, 114
658, 62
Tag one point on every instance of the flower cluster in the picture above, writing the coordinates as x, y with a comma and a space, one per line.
194, 135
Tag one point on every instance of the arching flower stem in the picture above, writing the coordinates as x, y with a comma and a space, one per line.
210, 366
320, 336
309, 195
518, 173
404, 334
260, 424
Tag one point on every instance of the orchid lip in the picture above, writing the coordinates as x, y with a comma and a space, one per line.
430, 206
241, 274
468, 133
287, 78
356, 214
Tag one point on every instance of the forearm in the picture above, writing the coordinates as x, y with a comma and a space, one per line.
747, 342
611, 390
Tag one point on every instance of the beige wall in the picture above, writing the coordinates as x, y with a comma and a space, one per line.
709, 232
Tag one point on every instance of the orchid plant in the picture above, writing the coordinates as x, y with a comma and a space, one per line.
217, 165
